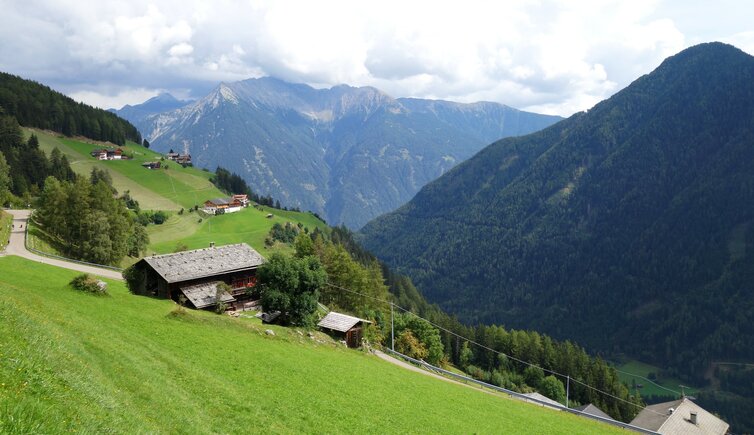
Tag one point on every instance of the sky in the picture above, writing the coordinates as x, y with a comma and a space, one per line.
554, 57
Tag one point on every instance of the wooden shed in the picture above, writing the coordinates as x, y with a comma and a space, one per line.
344, 326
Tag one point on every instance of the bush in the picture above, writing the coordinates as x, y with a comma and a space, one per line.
553, 388
86, 283
159, 217
410, 346
221, 306
135, 280
291, 286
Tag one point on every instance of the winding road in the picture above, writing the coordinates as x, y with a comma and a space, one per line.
18, 247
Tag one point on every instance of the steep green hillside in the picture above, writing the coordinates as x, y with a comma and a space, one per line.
249, 226
126, 364
629, 228
171, 190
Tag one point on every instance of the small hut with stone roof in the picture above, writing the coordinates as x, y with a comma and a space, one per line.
345, 327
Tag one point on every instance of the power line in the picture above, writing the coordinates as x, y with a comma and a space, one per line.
648, 380
494, 350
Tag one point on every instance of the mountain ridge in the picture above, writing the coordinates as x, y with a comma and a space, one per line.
610, 228
344, 152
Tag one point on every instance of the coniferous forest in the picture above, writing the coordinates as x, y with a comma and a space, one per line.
627, 228
81, 215
28, 166
38, 106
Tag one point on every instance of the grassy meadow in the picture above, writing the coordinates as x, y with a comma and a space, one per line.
642, 370
75, 362
161, 189
250, 225
171, 190
5, 222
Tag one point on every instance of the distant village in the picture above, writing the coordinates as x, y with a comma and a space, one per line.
181, 159
109, 154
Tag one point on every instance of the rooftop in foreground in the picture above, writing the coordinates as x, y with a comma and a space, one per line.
199, 263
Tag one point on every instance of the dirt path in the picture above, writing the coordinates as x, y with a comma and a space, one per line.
17, 247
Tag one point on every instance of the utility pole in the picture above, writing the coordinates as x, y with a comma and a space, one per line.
568, 390
392, 330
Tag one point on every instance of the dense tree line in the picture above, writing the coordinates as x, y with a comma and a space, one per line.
359, 282
27, 165
36, 105
85, 220
232, 183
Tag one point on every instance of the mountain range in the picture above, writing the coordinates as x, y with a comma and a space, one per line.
346, 153
628, 228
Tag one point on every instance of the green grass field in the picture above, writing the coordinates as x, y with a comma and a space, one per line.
74, 362
171, 190
641, 371
37, 239
250, 225
5, 221
161, 189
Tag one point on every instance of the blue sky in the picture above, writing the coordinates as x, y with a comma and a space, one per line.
555, 57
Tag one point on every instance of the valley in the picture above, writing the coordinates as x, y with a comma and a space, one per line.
626, 227
600, 262
346, 153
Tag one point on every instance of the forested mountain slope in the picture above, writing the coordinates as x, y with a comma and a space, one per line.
36, 105
348, 154
627, 228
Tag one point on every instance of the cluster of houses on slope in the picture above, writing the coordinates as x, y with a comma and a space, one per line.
226, 205
109, 154
181, 159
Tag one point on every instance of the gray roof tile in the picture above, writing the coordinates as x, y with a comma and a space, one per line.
200, 263
659, 418
205, 294
339, 322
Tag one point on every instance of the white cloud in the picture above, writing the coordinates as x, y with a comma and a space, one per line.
553, 56
108, 99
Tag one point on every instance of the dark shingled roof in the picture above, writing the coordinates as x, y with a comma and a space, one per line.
204, 295
339, 322
201, 263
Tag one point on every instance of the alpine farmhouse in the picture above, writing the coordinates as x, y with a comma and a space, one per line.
196, 274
